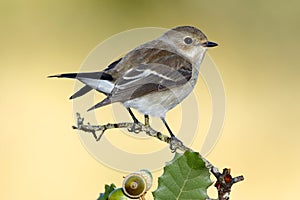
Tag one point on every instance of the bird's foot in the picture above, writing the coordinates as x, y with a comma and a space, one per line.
175, 144
135, 128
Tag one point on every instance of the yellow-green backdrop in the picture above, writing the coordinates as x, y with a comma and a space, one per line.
41, 157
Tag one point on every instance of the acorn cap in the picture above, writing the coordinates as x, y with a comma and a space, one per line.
148, 177
134, 185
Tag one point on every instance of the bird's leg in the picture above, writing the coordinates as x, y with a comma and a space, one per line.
167, 126
135, 120
136, 128
175, 143
147, 124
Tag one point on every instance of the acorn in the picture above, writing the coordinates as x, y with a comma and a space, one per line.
118, 194
137, 184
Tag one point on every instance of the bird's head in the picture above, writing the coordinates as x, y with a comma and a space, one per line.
188, 40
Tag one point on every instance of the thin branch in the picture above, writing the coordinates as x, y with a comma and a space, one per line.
225, 182
224, 179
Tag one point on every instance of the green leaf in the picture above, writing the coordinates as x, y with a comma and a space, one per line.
108, 190
184, 178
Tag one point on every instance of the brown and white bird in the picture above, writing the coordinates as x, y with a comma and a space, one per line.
152, 78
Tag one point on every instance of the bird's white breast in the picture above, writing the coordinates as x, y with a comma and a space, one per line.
158, 103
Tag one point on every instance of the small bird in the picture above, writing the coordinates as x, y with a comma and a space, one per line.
152, 78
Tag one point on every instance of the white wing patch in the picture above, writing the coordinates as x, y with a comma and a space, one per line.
138, 76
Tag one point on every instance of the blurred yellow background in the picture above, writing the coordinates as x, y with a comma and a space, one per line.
42, 157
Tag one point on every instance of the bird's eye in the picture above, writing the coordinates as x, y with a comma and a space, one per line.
188, 40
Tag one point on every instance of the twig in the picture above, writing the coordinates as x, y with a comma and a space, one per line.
224, 180
132, 127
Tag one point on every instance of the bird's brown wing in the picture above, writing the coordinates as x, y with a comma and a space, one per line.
169, 70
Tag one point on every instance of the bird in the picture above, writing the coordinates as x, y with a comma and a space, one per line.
152, 78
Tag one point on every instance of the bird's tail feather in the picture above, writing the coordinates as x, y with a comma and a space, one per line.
104, 102
90, 75
100, 81
68, 75
85, 89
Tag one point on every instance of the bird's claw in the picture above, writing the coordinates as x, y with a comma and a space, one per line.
135, 128
175, 144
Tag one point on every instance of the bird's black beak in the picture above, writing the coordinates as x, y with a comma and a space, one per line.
210, 44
